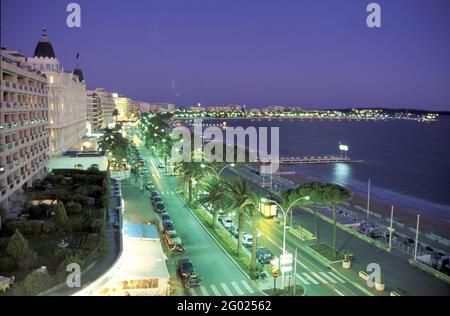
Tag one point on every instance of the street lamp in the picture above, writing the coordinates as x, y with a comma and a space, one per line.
285, 214
217, 174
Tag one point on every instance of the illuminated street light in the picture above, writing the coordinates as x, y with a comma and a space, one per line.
217, 174
285, 214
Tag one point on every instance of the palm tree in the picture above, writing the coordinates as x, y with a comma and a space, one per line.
214, 193
113, 141
237, 196
189, 171
115, 113
334, 195
328, 194
252, 205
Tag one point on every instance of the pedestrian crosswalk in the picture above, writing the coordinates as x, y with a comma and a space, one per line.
243, 287
233, 288
162, 193
317, 278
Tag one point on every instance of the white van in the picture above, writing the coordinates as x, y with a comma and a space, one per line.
247, 240
226, 221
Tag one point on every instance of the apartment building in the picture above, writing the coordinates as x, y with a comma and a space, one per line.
24, 138
100, 107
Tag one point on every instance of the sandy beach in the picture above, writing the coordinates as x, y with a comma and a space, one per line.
406, 216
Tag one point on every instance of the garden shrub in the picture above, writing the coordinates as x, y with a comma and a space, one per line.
7, 263
73, 208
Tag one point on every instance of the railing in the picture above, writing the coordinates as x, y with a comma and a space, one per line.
23, 87
28, 140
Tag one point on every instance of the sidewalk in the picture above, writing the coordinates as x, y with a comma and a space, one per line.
399, 274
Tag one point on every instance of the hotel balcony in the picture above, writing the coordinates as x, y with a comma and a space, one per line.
22, 88
8, 188
6, 106
22, 142
13, 165
15, 126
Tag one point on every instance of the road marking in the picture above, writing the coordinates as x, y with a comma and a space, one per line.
326, 276
192, 292
204, 291
319, 278
226, 289
310, 278
237, 288
303, 265
215, 290
303, 280
336, 277
269, 239
156, 170
247, 286
338, 292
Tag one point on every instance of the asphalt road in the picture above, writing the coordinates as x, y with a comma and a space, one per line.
221, 276
399, 275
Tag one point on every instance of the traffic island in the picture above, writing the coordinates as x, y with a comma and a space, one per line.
326, 252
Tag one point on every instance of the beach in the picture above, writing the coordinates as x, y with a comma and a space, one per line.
408, 217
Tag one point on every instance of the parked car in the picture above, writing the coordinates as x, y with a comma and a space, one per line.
161, 165
153, 194
159, 207
186, 271
247, 240
168, 225
264, 255
226, 221
156, 199
149, 186
234, 230
165, 217
173, 241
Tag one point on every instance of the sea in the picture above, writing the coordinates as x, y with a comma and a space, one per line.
407, 161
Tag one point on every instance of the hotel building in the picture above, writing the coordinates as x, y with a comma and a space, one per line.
100, 107
24, 139
66, 98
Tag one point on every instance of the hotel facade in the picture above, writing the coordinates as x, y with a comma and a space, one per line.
66, 98
100, 107
24, 138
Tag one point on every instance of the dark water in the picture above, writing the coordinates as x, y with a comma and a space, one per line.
408, 162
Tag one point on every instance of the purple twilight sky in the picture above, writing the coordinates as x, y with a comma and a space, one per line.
310, 53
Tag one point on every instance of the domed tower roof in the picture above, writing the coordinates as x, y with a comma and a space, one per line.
79, 74
44, 48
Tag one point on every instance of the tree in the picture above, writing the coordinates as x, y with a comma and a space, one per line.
17, 246
114, 142
74, 208
2, 215
115, 113
213, 193
190, 171
237, 196
37, 282
252, 205
327, 194
334, 195
61, 218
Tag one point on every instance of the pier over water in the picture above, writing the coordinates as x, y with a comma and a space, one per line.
314, 160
